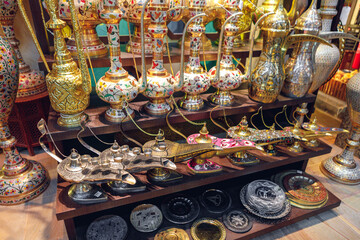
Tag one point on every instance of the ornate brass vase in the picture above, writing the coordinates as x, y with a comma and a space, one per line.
229, 77
20, 180
117, 87
299, 68
88, 18
160, 84
196, 80
31, 82
267, 79
69, 87
344, 168
244, 22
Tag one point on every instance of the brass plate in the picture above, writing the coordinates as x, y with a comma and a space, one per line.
172, 234
208, 229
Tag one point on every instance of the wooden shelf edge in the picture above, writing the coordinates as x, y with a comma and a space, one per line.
189, 182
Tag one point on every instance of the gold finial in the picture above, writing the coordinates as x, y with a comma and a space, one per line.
243, 128
204, 136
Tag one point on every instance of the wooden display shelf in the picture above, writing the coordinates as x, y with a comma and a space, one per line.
100, 125
67, 210
175, 54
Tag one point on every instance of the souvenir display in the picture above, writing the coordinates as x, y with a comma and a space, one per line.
31, 82
88, 20
265, 199
180, 209
208, 229
146, 218
109, 227
20, 179
172, 234
267, 78
160, 84
215, 200
69, 87
296, 10
237, 221
201, 163
117, 87
302, 190
343, 168
195, 79
244, 23
176, 152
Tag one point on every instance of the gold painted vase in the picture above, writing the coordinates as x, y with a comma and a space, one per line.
31, 82
344, 168
160, 84
20, 180
267, 78
117, 87
230, 77
69, 87
196, 80
88, 18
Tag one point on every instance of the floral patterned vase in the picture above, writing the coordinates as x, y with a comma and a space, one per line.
20, 179
31, 82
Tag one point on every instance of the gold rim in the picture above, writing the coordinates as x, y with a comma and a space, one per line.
210, 221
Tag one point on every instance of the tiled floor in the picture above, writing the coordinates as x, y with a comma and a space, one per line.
36, 219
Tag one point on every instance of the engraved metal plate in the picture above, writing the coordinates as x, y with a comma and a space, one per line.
237, 221
172, 234
215, 200
146, 218
109, 227
180, 209
208, 229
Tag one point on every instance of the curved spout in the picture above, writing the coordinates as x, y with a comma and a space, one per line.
252, 39
143, 80
183, 47
221, 42
86, 82
28, 24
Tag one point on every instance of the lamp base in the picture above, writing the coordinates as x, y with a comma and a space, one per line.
313, 143
118, 114
243, 159
84, 193
24, 186
191, 102
118, 187
222, 98
203, 168
163, 176
71, 120
296, 147
157, 107
340, 173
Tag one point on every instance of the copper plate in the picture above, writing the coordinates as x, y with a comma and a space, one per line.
208, 229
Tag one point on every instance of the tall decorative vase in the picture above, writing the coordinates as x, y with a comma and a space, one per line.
20, 179
31, 82
344, 168
196, 80
88, 19
117, 87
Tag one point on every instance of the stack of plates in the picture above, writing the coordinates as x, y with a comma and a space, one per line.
304, 191
265, 199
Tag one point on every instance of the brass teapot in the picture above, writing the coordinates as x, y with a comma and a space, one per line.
267, 79
69, 87
117, 87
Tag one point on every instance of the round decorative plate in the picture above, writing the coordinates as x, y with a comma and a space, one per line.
285, 210
208, 229
172, 234
265, 196
237, 221
180, 209
305, 187
215, 200
109, 227
146, 218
